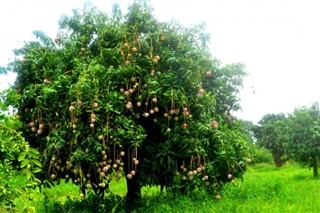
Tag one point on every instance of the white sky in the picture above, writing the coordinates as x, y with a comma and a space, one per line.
277, 40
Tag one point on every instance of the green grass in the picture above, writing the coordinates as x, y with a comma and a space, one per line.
38, 201
264, 189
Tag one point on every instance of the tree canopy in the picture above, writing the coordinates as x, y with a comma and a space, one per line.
294, 136
272, 133
127, 96
305, 137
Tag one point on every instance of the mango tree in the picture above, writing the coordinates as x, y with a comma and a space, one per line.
305, 136
272, 133
127, 96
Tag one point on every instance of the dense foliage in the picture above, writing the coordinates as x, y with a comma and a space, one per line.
127, 96
272, 133
304, 131
296, 136
16, 156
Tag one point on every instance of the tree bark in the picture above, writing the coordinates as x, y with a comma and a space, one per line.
277, 159
133, 186
134, 190
315, 165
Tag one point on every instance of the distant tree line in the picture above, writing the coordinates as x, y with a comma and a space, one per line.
293, 136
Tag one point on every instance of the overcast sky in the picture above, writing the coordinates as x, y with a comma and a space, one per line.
277, 40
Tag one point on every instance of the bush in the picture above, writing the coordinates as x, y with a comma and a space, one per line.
16, 157
92, 203
262, 155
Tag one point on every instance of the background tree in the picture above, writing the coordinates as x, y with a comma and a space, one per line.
247, 128
305, 136
272, 133
128, 96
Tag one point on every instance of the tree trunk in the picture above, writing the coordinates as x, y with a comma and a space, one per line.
134, 190
133, 186
277, 159
315, 165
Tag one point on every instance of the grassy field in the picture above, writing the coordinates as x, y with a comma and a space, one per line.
264, 189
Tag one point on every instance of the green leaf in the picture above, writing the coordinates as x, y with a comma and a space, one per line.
36, 162
24, 163
21, 157
33, 153
29, 174
36, 170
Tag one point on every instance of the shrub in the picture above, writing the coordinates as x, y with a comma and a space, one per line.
262, 155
